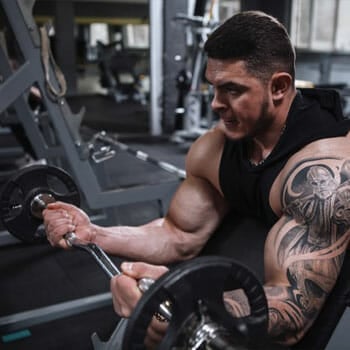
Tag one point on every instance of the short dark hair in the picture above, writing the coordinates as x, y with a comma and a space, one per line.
256, 38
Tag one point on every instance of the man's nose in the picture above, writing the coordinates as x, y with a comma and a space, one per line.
217, 104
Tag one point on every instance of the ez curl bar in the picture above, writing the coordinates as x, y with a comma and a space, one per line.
189, 296
27, 194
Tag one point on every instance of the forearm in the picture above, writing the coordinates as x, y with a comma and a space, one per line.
153, 243
290, 314
194, 213
288, 318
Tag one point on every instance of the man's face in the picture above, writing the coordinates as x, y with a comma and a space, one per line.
241, 100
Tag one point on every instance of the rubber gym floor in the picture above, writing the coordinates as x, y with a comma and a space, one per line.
36, 276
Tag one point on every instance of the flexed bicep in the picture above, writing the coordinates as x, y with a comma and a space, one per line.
198, 206
195, 212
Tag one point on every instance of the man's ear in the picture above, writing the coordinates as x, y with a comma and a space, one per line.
280, 85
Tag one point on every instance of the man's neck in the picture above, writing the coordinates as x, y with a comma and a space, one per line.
259, 151
261, 147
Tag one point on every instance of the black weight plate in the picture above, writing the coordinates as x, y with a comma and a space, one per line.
205, 279
18, 193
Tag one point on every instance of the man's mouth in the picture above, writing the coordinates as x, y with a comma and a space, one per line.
230, 123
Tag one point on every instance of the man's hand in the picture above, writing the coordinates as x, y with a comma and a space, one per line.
61, 218
126, 294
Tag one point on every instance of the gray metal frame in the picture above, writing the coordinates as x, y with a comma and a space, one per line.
59, 143
156, 52
68, 147
25, 319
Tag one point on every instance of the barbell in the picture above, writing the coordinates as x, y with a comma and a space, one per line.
199, 317
27, 194
189, 296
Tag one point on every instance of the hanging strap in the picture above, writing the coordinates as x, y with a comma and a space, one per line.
47, 58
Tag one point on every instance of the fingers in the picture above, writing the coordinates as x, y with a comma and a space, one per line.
124, 287
57, 223
61, 218
139, 270
155, 333
125, 294
78, 216
61, 205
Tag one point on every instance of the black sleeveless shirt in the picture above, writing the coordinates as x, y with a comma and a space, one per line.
315, 114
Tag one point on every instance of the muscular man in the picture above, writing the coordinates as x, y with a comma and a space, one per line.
277, 154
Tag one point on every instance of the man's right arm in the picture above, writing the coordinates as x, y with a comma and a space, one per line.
194, 213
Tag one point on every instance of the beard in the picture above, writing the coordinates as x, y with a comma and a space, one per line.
256, 128
263, 123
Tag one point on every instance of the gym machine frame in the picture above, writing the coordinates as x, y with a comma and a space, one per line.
61, 144
65, 125
198, 26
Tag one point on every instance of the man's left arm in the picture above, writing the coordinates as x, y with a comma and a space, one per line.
305, 249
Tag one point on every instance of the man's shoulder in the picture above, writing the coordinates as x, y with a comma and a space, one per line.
203, 158
329, 148
209, 143
326, 156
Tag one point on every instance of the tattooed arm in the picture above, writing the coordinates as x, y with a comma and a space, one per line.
306, 247
304, 250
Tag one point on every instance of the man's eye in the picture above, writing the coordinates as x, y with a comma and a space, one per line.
232, 91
